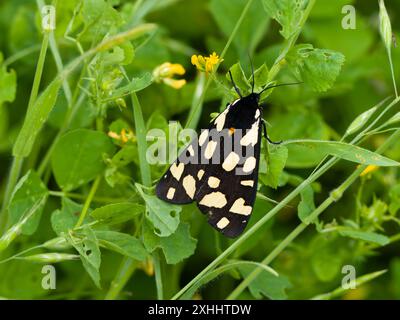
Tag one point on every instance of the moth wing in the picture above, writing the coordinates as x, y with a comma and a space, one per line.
229, 189
185, 176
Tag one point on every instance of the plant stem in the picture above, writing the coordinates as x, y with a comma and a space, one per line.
157, 270
392, 72
192, 121
124, 273
128, 265
88, 201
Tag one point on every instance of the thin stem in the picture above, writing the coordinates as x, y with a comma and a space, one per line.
192, 121
88, 201
157, 271
124, 272
392, 72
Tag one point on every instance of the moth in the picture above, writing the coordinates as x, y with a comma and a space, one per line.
219, 169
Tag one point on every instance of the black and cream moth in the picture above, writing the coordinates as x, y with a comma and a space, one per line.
221, 179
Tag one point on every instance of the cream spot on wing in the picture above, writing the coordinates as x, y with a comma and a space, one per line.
251, 137
257, 114
230, 161
249, 164
214, 199
222, 223
203, 137
200, 174
213, 182
239, 207
249, 183
191, 151
177, 170
208, 153
170, 193
189, 184
220, 121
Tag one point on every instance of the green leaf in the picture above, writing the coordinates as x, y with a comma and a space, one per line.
163, 216
362, 119
266, 284
276, 160
176, 247
78, 157
30, 192
8, 83
253, 27
239, 78
318, 68
99, 18
117, 213
260, 78
122, 243
88, 249
66, 218
137, 84
345, 151
306, 205
365, 236
35, 119
288, 13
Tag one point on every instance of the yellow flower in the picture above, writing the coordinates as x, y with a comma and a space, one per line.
124, 136
165, 73
206, 64
368, 169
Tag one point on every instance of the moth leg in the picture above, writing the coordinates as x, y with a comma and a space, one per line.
266, 134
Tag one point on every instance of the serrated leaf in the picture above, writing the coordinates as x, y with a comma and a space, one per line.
318, 68
162, 215
30, 192
66, 218
276, 160
89, 251
78, 157
345, 151
176, 247
117, 213
365, 236
288, 13
266, 284
122, 243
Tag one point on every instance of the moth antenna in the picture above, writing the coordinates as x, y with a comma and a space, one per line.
252, 72
279, 85
234, 85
